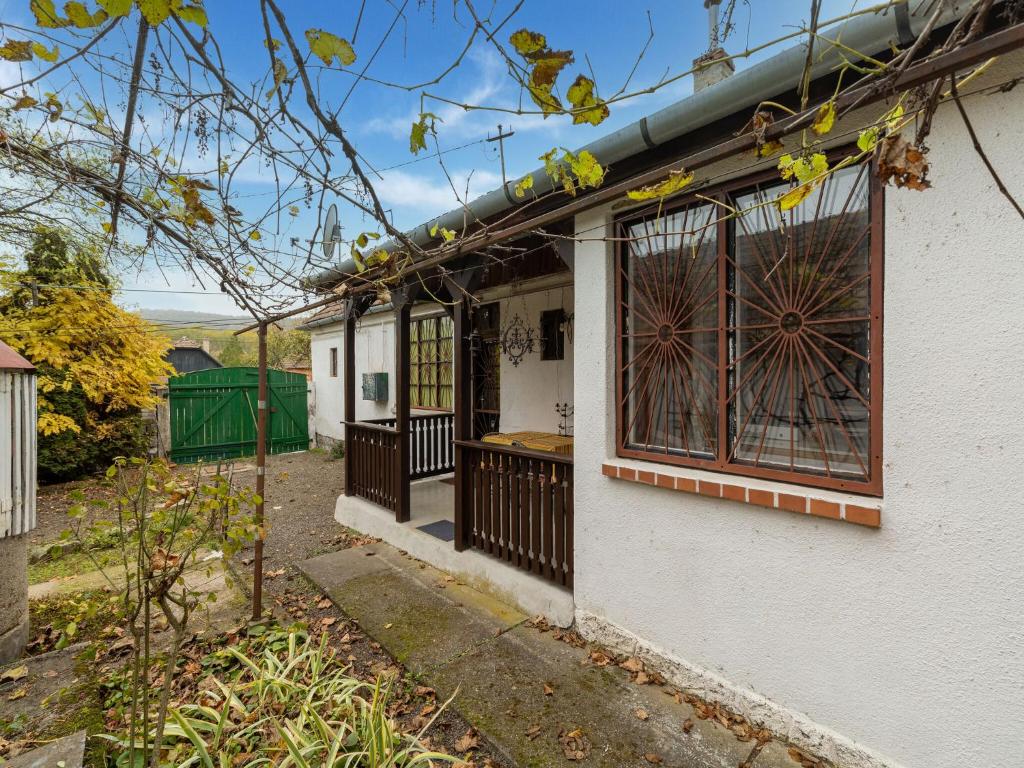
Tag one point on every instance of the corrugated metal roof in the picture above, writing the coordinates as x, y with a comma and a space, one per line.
11, 360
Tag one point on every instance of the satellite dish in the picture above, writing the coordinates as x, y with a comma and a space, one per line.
332, 231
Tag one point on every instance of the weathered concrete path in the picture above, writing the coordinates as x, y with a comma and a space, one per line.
534, 697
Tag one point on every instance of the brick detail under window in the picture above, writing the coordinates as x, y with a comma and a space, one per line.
791, 502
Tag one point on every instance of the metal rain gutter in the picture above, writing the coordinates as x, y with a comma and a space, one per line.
870, 33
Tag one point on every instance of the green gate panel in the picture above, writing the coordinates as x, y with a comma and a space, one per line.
213, 413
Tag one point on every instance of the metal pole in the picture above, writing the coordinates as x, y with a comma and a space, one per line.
261, 463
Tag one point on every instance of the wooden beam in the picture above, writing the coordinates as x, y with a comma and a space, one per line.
402, 300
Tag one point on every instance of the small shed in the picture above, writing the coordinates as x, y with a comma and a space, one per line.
17, 496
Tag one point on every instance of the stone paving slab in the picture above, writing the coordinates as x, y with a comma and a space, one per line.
509, 678
67, 752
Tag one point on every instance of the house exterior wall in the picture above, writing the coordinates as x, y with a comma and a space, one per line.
529, 391
327, 393
869, 642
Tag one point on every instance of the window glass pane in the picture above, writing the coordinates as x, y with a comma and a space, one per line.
799, 329
669, 283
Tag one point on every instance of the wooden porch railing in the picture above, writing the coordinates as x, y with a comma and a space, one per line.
373, 450
517, 505
431, 446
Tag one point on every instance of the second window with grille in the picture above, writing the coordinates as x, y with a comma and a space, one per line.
430, 368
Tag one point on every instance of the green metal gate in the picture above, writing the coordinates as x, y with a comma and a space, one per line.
213, 413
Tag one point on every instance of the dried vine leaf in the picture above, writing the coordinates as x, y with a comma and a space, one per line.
194, 14
825, 119
46, 14
43, 53
420, 129
82, 18
116, 8
676, 181
155, 11
522, 185
903, 164
16, 50
24, 102
808, 170
587, 108
545, 66
327, 47
446, 234
280, 73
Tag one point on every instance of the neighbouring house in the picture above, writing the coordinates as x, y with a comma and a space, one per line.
188, 355
673, 428
17, 497
301, 365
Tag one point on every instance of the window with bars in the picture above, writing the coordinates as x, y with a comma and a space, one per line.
751, 344
430, 366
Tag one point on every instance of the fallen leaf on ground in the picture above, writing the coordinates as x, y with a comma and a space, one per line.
325, 603
389, 625
469, 740
532, 732
274, 574
632, 664
428, 709
599, 659
575, 746
422, 690
326, 621
548, 690
653, 759
641, 714
21, 693
14, 674
687, 725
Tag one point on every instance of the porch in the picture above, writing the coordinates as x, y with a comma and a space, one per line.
450, 487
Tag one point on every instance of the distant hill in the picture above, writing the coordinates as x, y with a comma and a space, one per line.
186, 317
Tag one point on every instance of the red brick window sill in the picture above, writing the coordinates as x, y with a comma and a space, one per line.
800, 501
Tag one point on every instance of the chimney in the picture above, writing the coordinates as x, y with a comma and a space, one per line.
713, 67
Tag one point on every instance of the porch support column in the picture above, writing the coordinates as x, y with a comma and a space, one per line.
463, 403
402, 300
349, 372
354, 309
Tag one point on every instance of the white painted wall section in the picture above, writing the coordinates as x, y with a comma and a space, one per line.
906, 640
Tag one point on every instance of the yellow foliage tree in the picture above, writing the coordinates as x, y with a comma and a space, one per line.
60, 314
87, 340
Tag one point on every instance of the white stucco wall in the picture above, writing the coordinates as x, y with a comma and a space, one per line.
327, 403
908, 640
530, 391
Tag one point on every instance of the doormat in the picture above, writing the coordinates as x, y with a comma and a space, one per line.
442, 529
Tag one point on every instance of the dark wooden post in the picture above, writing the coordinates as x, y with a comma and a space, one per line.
349, 385
462, 402
402, 300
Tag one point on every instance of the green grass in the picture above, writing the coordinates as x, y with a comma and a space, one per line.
71, 564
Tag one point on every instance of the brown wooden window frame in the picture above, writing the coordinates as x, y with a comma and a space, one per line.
725, 268
334, 362
419, 361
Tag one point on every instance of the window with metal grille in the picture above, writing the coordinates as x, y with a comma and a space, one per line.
749, 339
430, 362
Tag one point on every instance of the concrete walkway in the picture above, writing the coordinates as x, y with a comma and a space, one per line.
540, 701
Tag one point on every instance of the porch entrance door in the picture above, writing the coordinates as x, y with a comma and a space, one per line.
486, 370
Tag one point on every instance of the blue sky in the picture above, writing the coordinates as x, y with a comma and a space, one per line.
604, 34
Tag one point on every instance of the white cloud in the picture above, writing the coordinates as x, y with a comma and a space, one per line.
432, 195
